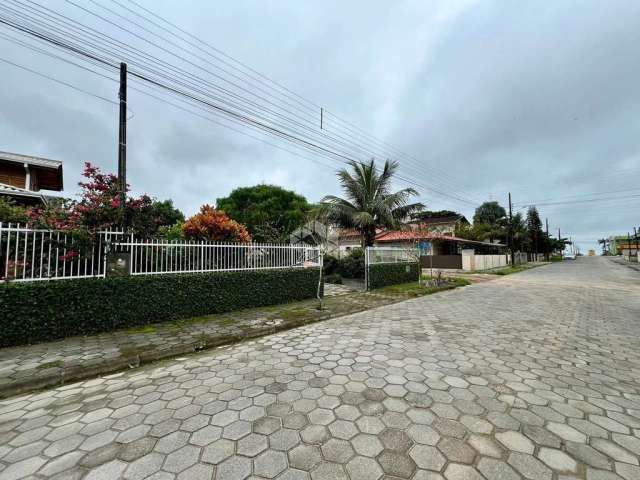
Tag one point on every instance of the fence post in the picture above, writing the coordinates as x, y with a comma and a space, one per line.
366, 269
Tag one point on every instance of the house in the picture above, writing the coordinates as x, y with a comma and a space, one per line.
445, 225
22, 177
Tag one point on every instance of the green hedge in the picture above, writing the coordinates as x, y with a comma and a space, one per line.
384, 274
40, 311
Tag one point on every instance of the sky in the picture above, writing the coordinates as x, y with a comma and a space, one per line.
475, 99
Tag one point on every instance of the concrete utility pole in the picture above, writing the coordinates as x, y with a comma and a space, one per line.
511, 232
635, 235
546, 249
122, 145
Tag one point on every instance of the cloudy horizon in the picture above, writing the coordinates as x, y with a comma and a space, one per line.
537, 99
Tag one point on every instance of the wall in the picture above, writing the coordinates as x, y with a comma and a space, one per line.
471, 261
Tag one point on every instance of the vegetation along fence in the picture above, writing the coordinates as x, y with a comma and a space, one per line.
28, 254
390, 265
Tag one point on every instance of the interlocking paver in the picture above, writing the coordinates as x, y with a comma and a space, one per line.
446, 387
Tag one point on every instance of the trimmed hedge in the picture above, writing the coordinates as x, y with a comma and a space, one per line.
40, 311
384, 274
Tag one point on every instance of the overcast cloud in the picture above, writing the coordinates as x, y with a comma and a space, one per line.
538, 98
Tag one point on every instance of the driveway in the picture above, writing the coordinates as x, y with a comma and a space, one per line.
534, 375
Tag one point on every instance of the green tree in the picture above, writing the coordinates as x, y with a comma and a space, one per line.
12, 213
435, 214
369, 202
494, 218
269, 212
535, 236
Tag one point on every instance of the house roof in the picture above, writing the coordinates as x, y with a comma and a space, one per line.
51, 170
12, 191
410, 235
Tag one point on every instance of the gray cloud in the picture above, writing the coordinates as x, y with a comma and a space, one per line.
536, 98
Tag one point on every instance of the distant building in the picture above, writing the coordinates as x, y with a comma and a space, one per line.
22, 177
440, 225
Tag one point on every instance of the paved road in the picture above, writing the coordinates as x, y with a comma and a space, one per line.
535, 376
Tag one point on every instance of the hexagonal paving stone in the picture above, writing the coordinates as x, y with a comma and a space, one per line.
456, 450
396, 464
267, 425
558, 460
218, 451
205, 435
329, 471
529, 466
395, 440
339, 451
427, 457
181, 459
269, 464
234, 467
366, 445
497, 469
361, 468
284, 439
343, 429
321, 416
461, 472
515, 441
252, 445
304, 457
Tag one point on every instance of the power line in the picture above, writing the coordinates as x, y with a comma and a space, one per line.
97, 58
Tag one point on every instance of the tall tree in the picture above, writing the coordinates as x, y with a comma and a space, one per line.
535, 236
494, 217
269, 212
369, 202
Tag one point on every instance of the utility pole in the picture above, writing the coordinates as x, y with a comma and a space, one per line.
635, 235
546, 248
122, 145
629, 245
511, 232
321, 118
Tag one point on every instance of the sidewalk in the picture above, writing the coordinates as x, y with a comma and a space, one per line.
28, 368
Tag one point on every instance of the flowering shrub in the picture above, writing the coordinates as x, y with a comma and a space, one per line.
214, 225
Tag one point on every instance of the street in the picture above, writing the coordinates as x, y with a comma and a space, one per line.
534, 375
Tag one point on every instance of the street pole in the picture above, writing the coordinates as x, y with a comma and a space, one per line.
546, 247
635, 235
629, 245
122, 145
511, 232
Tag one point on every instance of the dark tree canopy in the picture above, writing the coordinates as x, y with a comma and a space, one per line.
269, 212
489, 213
436, 214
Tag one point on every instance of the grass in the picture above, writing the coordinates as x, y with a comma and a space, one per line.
413, 289
54, 364
510, 269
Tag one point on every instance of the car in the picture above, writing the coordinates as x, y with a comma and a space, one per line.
568, 256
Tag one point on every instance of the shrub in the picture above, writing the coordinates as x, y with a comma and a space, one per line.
331, 264
334, 278
41, 311
352, 266
384, 274
215, 226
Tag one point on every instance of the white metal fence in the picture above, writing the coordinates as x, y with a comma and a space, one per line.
28, 254
158, 257
378, 255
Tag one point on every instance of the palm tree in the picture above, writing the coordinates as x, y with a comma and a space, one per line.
369, 202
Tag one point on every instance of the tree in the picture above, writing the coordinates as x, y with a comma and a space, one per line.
494, 217
99, 208
269, 212
369, 202
435, 214
215, 226
535, 236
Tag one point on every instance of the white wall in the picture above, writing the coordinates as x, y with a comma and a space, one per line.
471, 261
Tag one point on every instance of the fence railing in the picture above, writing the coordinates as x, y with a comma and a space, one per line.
374, 255
28, 254
158, 257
